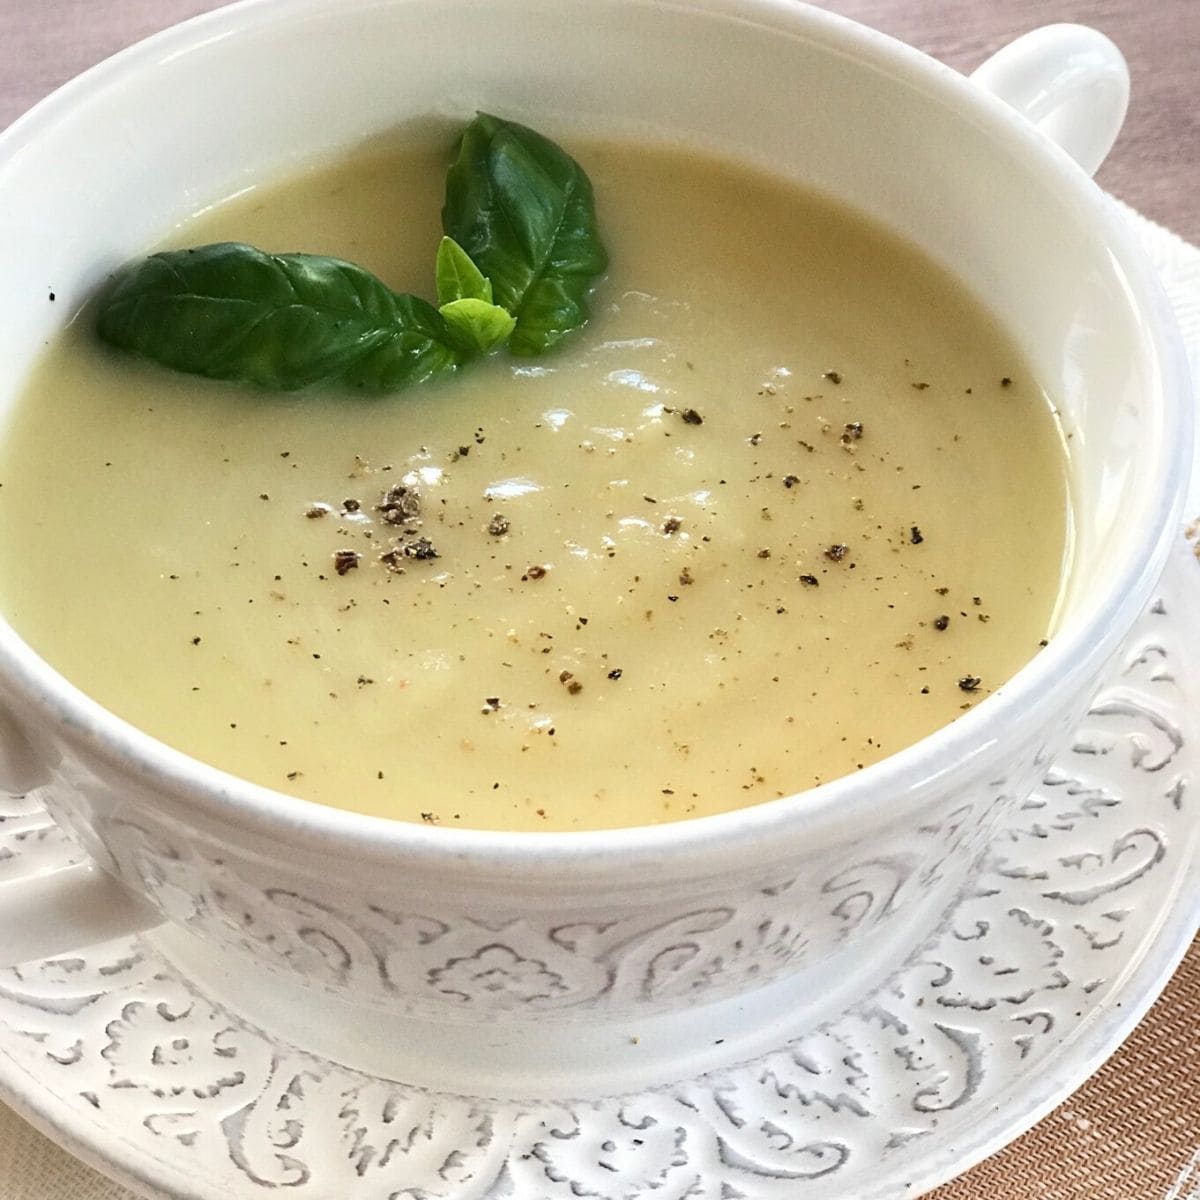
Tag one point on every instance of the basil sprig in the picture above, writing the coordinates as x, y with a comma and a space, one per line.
522, 253
523, 210
465, 296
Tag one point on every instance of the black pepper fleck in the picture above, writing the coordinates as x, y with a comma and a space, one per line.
837, 551
915, 535
942, 622
399, 504
419, 548
345, 560
810, 581
969, 683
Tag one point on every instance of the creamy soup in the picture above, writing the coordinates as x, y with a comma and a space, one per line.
790, 502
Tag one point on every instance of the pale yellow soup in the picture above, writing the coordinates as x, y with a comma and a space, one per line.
632, 617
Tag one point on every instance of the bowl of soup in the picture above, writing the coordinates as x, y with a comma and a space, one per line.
696, 658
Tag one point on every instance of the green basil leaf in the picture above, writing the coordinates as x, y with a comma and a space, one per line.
522, 208
480, 325
284, 321
458, 278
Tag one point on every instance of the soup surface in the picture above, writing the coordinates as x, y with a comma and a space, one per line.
788, 503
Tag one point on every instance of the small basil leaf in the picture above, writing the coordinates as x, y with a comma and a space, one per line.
284, 321
523, 209
480, 326
458, 278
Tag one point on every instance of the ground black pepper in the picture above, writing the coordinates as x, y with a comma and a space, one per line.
399, 505
419, 548
969, 683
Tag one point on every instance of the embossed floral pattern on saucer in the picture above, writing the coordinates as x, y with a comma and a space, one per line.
1089, 898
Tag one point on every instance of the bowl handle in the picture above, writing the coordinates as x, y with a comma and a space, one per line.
1068, 80
66, 909
63, 905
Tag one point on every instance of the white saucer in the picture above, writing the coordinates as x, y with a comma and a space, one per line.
123, 1055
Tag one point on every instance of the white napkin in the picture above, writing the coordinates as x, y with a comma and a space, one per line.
33, 1168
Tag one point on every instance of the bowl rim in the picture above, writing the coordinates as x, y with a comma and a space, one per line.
1092, 627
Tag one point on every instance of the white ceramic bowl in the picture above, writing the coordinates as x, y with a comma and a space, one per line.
816, 896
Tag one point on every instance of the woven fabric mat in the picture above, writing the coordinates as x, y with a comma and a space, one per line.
1131, 1133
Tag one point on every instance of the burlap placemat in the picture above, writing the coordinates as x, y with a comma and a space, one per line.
1132, 1132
